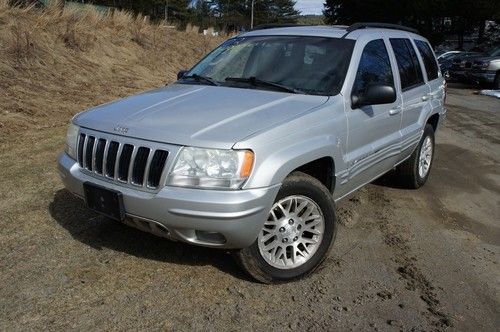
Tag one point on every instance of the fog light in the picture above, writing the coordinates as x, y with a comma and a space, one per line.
211, 237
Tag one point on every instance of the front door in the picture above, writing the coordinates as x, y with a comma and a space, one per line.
374, 138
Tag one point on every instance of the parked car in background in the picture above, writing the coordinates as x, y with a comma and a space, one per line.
459, 65
445, 61
441, 56
486, 69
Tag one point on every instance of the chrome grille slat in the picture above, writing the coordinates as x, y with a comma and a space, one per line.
146, 171
84, 155
111, 159
124, 162
156, 168
94, 148
139, 165
81, 141
117, 160
99, 156
88, 161
105, 157
129, 162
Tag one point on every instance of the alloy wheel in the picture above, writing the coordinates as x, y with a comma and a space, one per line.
425, 158
292, 233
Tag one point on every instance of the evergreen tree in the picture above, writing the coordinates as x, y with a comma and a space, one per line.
229, 15
425, 15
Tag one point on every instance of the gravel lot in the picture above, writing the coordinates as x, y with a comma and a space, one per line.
403, 260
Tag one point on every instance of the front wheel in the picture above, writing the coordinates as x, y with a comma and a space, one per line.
297, 235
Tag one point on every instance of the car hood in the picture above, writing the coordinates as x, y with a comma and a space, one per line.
466, 57
197, 115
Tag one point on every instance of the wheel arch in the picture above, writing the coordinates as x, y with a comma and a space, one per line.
317, 157
322, 169
433, 120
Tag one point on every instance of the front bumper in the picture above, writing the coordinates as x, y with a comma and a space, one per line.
213, 218
481, 76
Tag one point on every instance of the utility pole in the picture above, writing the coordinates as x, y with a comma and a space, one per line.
166, 11
251, 17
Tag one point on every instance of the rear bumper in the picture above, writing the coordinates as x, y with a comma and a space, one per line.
213, 218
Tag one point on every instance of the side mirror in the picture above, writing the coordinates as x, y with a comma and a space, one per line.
181, 74
375, 94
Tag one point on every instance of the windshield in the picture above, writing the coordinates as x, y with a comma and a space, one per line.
448, 56
310, 65
495, 51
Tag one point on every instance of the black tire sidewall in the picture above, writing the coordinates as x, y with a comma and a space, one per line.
313, 189
428, 132
496, 82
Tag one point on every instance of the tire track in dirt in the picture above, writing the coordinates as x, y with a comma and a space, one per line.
407, 264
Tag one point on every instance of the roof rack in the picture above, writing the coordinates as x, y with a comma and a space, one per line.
273, 26
364, 25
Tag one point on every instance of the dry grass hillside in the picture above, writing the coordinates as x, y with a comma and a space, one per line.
54, 64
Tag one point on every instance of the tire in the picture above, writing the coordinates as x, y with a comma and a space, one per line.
298, 190
407, 174
496, 82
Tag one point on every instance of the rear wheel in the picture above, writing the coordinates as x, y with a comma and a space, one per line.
414, 171
297, 234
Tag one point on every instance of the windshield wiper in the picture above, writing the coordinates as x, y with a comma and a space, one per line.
258, 82
199, 78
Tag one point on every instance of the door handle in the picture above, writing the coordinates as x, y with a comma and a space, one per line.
395, 110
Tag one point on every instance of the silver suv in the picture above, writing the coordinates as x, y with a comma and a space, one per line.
250, 148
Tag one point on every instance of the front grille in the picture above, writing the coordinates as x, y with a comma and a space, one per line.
123, 162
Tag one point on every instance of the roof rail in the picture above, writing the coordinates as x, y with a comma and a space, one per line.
273, 26
366, 25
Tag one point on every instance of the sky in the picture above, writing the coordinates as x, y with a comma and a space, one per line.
308, 7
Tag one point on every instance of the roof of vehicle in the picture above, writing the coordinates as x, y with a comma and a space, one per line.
332, 31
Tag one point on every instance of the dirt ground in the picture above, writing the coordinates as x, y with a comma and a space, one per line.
403, 260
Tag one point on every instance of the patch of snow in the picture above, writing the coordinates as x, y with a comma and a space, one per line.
492, 93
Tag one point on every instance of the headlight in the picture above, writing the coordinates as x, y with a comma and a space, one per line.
485, 64
71, 140
211, 168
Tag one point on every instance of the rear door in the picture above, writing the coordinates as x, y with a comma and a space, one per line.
435, 80
414, 92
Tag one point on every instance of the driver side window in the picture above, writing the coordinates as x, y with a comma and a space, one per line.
374, 67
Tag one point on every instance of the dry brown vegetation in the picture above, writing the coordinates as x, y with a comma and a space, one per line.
54, 64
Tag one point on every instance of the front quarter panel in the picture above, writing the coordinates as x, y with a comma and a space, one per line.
282, 149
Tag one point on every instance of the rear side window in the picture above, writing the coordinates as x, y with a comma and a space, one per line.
374, 67
409, 67
431, 66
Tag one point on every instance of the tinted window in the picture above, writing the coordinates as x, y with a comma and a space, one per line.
374, 67
494, 51
311, 65
409, 67
430, 64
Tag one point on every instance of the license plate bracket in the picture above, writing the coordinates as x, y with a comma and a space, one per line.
104, 201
